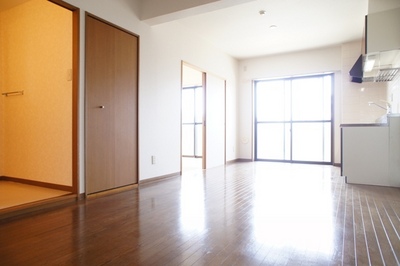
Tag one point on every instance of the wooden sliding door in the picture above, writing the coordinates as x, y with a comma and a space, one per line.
111, 106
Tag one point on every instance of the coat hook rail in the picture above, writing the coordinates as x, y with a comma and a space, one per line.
13, 93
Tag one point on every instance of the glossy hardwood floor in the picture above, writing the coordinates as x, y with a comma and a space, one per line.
242, 214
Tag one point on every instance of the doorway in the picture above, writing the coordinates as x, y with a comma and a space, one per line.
193, 104
39, 98
203, 119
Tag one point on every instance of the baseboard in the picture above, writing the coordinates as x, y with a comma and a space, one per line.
158, 178
337, 164
37, 183
111, 191
239, 160
81, 196
37, 206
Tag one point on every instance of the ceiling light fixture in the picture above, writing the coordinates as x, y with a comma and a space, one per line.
262, 12
273, 27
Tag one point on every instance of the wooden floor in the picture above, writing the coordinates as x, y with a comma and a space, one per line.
190, 164
14, 194
242, 214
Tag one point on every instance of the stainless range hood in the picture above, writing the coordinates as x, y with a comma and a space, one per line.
381, 62
376, 67
381, 66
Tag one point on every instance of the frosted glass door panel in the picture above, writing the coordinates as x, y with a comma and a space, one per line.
309, 142
187, 140
271, 141
311, 99
187, 106
272, 101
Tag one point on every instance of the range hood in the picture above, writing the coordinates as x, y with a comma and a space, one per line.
381, 61
356, 72
382, 66
376, 67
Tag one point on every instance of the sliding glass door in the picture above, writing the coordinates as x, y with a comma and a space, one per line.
293, 119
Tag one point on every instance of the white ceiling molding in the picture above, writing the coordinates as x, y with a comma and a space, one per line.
155, 12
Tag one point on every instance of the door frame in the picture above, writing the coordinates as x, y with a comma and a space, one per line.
75, 90
203, 135
204, 128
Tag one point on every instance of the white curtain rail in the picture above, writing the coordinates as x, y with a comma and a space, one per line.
13, 93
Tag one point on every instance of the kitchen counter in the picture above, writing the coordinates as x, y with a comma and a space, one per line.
371, 153
365, 125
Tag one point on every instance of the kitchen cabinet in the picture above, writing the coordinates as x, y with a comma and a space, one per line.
371, 153
382, 32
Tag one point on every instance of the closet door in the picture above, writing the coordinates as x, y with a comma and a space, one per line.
111, 106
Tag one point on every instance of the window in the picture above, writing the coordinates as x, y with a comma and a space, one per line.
293, 119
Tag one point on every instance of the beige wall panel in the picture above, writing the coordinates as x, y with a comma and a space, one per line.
36, 57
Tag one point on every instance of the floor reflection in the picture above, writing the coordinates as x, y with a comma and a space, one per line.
293, 209
190, 164
192, 218
240, 214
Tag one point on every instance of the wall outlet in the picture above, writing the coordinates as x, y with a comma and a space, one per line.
153, 159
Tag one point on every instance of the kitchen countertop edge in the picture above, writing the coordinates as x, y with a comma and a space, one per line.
365, 125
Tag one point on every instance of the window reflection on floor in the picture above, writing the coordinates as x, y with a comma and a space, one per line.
189, 164
286, 217
192, 218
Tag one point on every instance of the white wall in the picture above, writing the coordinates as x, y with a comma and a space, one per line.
394, 94
350, 101
162, 48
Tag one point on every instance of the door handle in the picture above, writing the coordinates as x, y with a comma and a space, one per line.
102, 107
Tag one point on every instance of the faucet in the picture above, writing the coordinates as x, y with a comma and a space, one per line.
388, 107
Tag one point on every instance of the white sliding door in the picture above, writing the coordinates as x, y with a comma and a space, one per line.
215, 121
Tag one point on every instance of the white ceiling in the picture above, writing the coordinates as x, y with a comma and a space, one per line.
301, 25
242, 32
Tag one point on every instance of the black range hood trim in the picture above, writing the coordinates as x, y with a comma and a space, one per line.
356, 72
